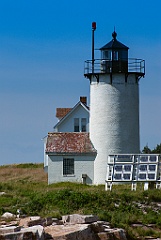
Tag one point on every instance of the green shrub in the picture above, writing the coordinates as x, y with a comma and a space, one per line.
143, 232
150, 217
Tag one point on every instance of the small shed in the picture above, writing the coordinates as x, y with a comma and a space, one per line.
71, 157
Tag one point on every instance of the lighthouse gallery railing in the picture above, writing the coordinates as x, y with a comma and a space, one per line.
130, 65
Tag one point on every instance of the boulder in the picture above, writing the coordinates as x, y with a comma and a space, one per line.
2, 193
37, 220
70, 232
119, 234
8, 215
6, 223
9, 229
82, 227
37, 230
30, 233
100, 226
24, 222
112, 234
95, 231
18, 236
77, 218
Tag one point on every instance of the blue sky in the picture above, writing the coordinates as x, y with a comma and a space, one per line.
43, 46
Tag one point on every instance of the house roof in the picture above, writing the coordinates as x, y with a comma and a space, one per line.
61, 112
71, 111
69, 142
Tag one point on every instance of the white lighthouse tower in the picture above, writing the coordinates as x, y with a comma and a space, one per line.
114, 102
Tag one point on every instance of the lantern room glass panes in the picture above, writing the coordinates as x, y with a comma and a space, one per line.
107, 55
124, 55
115, 55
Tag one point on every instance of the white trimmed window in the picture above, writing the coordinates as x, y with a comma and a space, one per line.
68, 166
80, 124
76, 124
83, 124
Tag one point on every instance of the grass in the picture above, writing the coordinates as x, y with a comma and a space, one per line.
25, 187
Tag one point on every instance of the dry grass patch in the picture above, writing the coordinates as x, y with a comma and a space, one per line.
21, 172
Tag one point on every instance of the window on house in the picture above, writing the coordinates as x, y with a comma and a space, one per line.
68, 166
76, 124
83, 125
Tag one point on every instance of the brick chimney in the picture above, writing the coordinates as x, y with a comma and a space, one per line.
83, 100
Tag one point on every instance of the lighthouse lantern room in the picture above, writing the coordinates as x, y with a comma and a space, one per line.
114, 102
114, 56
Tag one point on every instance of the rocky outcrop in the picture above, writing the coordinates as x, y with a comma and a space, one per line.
18, 233
69, 232
77, 218
71, 227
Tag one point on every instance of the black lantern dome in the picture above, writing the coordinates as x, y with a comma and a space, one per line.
114, 60
115, 55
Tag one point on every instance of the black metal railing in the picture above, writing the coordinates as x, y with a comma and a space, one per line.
130, 65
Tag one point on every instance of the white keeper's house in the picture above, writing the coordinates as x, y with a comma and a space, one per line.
68, 152
78, 148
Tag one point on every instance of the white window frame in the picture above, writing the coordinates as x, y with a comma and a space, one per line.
68, 166
76, 125
83, 125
